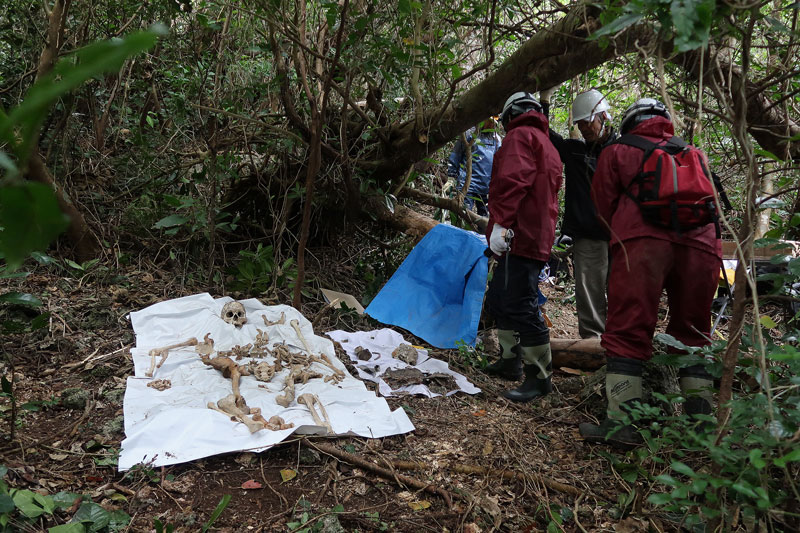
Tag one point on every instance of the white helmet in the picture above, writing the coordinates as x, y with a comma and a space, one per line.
588, 104
641, 110
517, 104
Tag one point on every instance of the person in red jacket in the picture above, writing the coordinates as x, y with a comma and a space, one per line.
523, 208
646, 259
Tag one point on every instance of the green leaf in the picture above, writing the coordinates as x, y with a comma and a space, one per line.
19, 298
792, 456
682, 468
33, 504
617, 25
6, 503
171, 221
94, 516
223, 503
767, 322
660, 499
756, 458
73, 527
30, 218
767, 154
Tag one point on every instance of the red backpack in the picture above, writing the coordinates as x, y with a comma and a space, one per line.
673, 188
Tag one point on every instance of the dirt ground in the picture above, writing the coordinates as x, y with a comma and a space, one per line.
490, 465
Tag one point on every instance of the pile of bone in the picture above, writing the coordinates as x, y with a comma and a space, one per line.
234, 405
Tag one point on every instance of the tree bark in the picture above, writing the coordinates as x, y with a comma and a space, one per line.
583, 354
80, 236
546, 59
765, 122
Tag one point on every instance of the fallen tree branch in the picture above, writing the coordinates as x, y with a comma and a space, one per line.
385, 473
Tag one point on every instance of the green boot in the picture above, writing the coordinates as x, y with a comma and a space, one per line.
538, 374
509, 366
696, 385
623, 385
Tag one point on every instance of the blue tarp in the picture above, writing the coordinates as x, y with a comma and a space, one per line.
437, 293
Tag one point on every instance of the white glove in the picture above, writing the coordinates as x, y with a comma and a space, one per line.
497, 240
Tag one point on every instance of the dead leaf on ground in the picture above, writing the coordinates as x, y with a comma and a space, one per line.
288, 474
251, 484
419, 505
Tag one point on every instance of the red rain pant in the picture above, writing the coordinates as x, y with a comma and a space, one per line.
635, 282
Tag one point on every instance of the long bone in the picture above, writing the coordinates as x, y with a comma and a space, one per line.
227, 406
230, 370
323, 359
296, 325
164, 352
310, 400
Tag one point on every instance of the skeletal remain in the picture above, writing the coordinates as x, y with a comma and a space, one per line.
406, 353
160, 384
323, 359
262, 339
233, 313
164, 352
280, 321
310, 400
263, 372
277, 423
228, 406
230, 370
288, 395
206, 347
296, 325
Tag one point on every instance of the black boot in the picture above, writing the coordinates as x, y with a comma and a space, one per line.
624, 438
509, 366
532, 387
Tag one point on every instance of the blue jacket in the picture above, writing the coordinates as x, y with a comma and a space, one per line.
483, 150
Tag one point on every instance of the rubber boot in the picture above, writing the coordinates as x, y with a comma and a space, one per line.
623, 385
538, 366
696, 385
509, 366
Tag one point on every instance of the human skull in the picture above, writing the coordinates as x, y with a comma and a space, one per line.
234, 313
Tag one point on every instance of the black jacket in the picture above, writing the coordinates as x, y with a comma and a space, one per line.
580, 161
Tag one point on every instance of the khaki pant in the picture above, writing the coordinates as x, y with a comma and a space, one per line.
590, 259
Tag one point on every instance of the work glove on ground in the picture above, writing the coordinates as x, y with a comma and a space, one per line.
497, 240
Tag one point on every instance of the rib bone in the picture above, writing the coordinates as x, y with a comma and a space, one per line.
164, 352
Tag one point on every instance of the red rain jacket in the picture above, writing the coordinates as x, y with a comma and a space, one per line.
523, 192
616, 168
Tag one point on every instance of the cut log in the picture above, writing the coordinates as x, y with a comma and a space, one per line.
583, 354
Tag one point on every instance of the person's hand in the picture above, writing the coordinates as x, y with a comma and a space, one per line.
497, 240
546, 94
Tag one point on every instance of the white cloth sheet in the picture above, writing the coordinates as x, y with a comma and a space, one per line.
174, 426
382, 342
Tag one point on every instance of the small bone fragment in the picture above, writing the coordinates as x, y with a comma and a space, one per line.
160, 384
277, 423
288, 396
206, 347
280, 321
163, 352
262, 339
406, 353
296, 325
310, 400
264, 372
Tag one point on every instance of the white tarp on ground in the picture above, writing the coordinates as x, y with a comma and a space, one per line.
382, 342
174, 426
